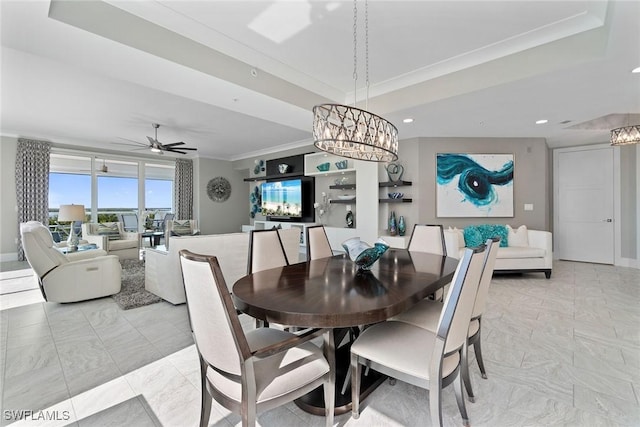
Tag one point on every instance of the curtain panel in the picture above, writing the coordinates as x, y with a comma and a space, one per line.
183, 189
32, 183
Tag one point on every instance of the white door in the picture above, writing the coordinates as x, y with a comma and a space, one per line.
585, 231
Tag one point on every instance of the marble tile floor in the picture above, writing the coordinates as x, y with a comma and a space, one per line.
559, 352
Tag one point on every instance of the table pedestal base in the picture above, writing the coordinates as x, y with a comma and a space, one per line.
313, 402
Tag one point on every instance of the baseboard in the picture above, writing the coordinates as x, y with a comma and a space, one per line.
11, 256
628, 262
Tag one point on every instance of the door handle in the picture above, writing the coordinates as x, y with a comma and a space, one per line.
607, 220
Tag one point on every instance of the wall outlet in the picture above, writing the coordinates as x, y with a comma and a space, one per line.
528, 206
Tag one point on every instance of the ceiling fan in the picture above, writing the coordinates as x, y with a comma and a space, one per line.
158, 147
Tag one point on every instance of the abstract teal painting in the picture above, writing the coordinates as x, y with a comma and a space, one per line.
474, 185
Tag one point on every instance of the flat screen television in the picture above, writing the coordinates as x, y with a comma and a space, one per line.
288, 199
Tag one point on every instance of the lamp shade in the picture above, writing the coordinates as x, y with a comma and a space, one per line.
71, 213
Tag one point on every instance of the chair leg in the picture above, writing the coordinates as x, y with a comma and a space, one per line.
457, 387
435, 402
464, 367
355, 386
477, 348
205, 402
329, 396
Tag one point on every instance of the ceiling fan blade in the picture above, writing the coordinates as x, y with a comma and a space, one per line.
173, 144
176, 151
181, 148
130, 140
152, 141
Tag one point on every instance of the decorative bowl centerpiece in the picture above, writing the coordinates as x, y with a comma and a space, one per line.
362, 254
323, 167
342, 164
396, 195
283, 168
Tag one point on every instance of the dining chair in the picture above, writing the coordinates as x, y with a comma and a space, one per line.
426, 314
431, 360
429, 238
265, 251
247, 372
318, 245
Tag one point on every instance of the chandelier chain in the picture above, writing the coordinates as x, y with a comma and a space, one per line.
355, 52
366, 50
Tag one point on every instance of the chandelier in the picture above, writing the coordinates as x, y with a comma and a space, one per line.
348, 131
625, 135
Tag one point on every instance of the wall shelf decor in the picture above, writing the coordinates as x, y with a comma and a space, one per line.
395, 200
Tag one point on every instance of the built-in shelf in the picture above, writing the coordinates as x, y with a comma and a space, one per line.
343, 187
395, 200
350, 201
280, 175
394, 183
313, 160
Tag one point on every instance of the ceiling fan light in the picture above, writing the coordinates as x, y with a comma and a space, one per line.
156, 150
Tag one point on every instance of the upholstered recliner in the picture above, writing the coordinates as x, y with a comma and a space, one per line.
111, 237
77, 276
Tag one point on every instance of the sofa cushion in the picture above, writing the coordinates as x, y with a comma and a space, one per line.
519, 252
116, 245
182, 228
472, 237
519, 237
475, 235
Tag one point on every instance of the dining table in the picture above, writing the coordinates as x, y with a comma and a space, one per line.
334, 293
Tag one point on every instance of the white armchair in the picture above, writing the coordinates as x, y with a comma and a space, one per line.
78, 276
111, 237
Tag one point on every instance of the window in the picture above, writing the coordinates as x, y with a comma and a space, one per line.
118, 187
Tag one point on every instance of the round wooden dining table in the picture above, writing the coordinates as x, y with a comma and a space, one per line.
333, 293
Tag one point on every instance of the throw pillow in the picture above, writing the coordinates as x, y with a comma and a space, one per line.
182, 228
519, 237
472, 237
488, 231
110, 230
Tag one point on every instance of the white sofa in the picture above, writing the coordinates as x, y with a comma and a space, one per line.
536, 256
162, 267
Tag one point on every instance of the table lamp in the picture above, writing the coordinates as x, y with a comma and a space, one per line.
71, 213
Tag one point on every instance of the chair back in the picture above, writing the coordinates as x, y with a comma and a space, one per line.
39, 249
487, 273
453, 325
428, 238
265, 251
167, 217
129, 221
214, 323
317, 243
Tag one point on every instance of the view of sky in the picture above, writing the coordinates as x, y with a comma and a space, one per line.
113, 192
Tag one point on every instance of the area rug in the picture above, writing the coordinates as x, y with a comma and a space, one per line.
133, 294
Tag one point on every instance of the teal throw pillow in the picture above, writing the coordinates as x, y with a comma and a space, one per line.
472, 237
110, 230
182, 228
488, 231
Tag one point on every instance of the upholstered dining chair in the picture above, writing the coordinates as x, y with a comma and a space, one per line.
252, 372
265, 251
426, 359
317, 243
426, 314
429, 238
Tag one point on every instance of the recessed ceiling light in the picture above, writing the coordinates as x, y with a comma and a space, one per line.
408, 120
636, 70
541, 122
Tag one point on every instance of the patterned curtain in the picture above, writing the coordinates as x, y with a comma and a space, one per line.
183, 189
32, 183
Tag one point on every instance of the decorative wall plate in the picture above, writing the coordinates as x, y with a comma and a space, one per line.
218, 189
